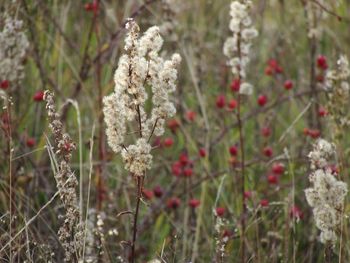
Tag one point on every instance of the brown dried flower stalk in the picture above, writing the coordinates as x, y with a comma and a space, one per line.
70, 233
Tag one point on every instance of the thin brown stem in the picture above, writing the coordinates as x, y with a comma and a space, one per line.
134, 237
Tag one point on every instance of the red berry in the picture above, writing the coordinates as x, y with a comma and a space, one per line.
4, 84
173, 203
233, 150
88, 7
220, 101
176, 168
267, 151
30, 142
265, 131
168, 142
314, 133
202, 152
232, 104
147, 194
272, 179
158, 191
322, 62
288, 84
38, 96
220, 211
183, 159
306, 131
322, 111
295, 212
91, 6
194, 203
278, 168
173, 125
272, 63
190, 115
235, 85
188, 172
269, 71
262, 100
264, 202
279, 69
247, 194
320, 78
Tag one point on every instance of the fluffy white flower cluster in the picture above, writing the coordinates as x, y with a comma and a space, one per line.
137, 158
337, 83
237, 47
13, 47
327, 194
141, 66
321, 154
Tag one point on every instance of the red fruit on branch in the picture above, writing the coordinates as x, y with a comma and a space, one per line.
194, 203
220, 211
322, 62
235, 85
38, 96
4, 84
220, 101
288, 84
262, 100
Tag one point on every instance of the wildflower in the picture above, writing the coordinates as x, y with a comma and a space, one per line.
326, 195
141, 66
137, 158
337, 85
237, 47
70, 233
14, 46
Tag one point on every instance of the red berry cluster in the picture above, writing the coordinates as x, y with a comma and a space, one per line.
182, 167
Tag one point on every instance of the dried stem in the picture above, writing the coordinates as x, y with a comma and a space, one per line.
134, 236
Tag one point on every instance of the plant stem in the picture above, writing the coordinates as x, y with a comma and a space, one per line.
241, 142
139, 190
